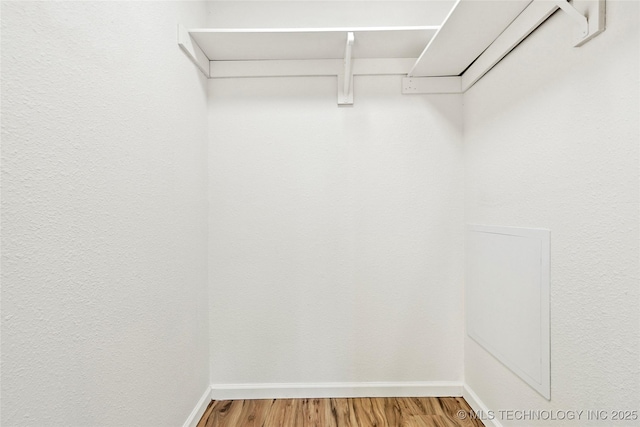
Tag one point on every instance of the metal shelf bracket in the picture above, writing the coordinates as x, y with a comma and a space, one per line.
345, 79
588, 15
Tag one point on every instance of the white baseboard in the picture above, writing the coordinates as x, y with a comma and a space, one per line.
479, 407
324, 390
199, 409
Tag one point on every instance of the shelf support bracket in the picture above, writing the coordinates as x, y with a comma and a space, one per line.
345, 79
579, 18
192, 50
588, 15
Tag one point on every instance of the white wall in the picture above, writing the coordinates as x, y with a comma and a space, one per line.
331, 13
336, 240
104, 221
335, 244
552, 140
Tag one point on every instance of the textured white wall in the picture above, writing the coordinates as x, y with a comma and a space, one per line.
104, 221
336, 240
333, 13
551, 140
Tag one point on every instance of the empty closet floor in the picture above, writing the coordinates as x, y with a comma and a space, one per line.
360, 412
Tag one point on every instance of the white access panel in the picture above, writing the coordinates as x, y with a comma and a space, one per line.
507, 299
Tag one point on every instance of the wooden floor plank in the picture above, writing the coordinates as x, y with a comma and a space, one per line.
379, 412
254, 413
408, 406
312, 414
206, 415
226, 413
432, 406
427, 421
275, 413
343, 412
293, 415
357, 412
367, 415
329, 417
426, 405
392, 411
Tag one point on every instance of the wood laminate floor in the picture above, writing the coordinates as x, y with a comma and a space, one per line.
360, 412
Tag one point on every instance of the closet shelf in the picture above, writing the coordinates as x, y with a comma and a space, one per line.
341, 52
449, 58
466, 32
311, 43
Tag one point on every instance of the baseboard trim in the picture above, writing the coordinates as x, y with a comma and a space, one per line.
201, 406
479, 407
324, 390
